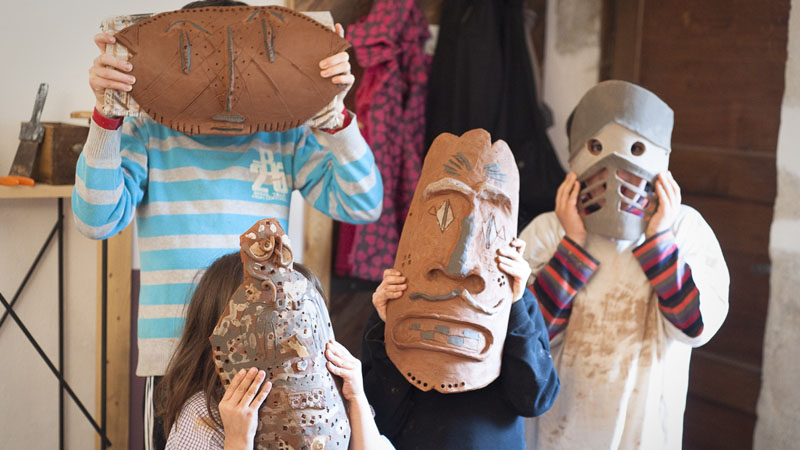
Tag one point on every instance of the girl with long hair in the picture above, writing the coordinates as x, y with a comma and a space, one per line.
196, 410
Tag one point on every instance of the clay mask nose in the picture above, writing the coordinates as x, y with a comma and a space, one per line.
473, 281
464, 263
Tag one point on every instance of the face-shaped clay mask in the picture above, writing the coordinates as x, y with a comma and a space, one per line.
447, 330
619, 140
277, 321
617, 197
231, 70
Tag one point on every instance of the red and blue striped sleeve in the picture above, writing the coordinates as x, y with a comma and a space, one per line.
558, 283
671, 278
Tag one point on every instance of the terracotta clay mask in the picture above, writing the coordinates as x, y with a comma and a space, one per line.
231, 70
277, 321
447, 330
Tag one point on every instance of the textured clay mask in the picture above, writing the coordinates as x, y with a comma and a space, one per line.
447, 330
231, 70
277, 321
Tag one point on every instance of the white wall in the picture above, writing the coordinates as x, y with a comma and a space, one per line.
779, 402
48, 41
571, 62
571, 66
29, 391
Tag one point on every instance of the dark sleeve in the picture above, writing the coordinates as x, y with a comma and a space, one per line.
387, 390
528, 377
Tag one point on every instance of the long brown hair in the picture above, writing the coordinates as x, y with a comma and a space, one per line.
191, 368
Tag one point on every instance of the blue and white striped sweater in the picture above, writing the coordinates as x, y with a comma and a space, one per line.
194, 195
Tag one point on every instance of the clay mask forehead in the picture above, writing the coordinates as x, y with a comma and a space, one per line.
626, 104
615, 139
470, 166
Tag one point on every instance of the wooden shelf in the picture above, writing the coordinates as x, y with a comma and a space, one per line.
37, 191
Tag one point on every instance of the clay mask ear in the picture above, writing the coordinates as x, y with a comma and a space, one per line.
286, 255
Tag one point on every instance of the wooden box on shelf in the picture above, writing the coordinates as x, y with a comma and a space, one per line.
58, 154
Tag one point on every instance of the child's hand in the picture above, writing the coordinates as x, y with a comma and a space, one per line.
108, 71
669, 202
338, 65
341, 363
239, 407
337, 68
391, 287
567, 209
511, 262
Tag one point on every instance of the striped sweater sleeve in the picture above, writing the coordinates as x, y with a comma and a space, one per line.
337, 174
110, 180
557, 283
671, 278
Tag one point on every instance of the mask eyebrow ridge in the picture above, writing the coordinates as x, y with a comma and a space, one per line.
493, 193
189, 22
447, 184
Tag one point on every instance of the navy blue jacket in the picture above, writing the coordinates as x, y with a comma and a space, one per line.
488, 418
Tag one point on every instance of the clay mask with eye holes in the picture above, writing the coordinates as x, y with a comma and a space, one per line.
619, 143
447, 330
617, 195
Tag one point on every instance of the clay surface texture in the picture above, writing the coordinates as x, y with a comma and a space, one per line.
231, 70
277, 321
447, 330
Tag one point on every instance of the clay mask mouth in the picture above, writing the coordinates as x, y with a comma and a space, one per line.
464, 295
443, 335
634, 194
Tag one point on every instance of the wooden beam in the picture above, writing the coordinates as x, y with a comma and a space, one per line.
318, 245
118, 344
621, 33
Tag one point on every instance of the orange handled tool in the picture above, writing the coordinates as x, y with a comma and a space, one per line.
16, 180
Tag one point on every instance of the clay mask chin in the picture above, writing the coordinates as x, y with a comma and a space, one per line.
231, 70
277, 321
447, 331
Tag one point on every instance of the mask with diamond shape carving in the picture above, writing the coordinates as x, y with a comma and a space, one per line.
447, 330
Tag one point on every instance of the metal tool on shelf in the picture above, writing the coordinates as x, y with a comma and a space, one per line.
30, 137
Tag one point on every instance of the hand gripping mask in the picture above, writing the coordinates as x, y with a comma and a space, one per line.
447, 330
277, 321
619, 139
231, 70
